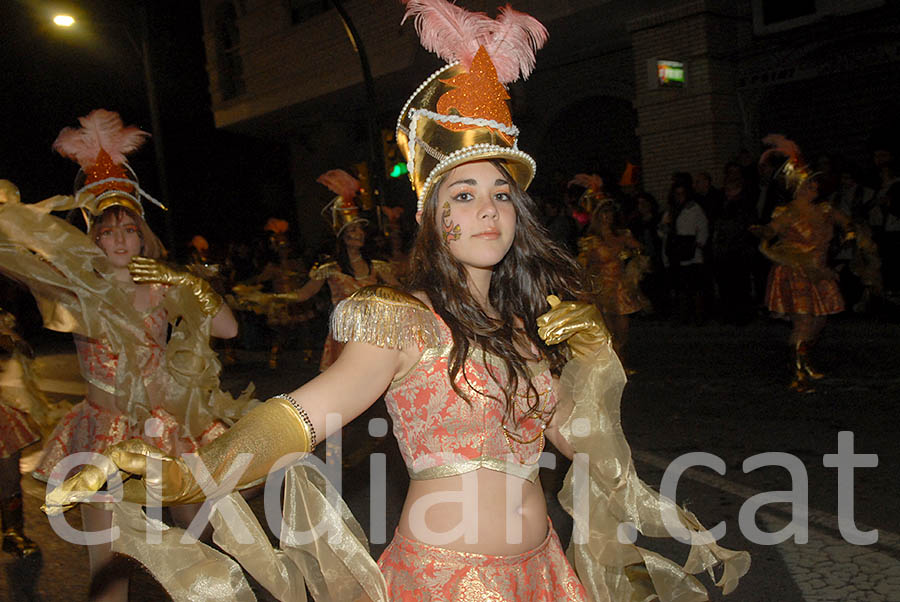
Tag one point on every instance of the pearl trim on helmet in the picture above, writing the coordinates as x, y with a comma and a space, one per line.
476, 150
509, 130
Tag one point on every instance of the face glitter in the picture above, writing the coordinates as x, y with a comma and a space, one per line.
451, 231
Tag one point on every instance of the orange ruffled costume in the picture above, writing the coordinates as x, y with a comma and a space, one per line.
614, 266
800, 281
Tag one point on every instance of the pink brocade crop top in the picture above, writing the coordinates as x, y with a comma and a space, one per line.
99, 362
441, 434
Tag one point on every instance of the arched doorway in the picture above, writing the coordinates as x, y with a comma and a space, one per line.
595, 134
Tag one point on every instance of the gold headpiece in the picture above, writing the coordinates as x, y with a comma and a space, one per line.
460, 113
99, 146
344, 210
795, 169
594, 196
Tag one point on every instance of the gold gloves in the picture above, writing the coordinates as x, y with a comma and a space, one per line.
146, 270
269, 432
579, 324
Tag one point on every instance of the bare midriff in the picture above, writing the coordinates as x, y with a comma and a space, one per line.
482, 512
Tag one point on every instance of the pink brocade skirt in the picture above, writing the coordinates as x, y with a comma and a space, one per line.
89, 427
418, 572
15, 432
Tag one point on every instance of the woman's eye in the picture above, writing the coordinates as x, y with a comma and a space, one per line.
131, 229
106, 232
502, 196
463, 197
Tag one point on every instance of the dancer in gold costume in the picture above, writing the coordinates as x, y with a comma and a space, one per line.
21, 406
614, 264
801, 284
351, 269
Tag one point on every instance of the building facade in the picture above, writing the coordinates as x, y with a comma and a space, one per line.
820, 71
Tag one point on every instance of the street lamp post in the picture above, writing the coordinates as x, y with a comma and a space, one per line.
376, 156
142, 48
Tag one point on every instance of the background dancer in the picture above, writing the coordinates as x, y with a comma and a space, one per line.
614, 265
801, 284
352, 268
17, 403
110, 290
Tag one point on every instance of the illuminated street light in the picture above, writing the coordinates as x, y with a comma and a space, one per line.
142, 48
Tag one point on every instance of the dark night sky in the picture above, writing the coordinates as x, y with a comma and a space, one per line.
50, 77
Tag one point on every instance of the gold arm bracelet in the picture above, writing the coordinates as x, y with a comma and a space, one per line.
313, 440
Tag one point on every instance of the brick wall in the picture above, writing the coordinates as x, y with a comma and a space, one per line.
697, 127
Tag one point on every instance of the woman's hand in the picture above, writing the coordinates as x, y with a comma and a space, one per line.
270, 436
131, 458
145, 270
579, 324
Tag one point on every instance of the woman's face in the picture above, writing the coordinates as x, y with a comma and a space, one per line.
605, 217
807, 191
354, 236
120, 238
475, 214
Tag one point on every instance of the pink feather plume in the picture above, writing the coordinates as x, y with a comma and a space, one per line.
101, 129
781, 145
340, 182
455, 34
449, 31
514, 42
592, 182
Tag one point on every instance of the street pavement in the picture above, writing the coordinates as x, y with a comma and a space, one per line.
714, 389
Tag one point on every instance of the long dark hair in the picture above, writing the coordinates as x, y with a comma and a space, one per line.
343, 258
533, 268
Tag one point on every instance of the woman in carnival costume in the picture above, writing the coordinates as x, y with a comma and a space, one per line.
613, 262
282, 275
22, 407
352, 268
469, 359
109, 288
801, 285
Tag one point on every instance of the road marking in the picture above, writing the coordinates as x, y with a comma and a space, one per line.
826, 568
823, 520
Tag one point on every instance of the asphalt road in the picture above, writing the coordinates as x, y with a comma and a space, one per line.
714, 389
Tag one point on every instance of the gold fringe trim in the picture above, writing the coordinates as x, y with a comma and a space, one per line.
325, 270
385, 317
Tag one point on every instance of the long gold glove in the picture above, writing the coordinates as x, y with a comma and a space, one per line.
579, 324
145, 270
269, 432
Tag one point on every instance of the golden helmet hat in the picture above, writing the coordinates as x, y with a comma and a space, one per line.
100, 147
795, 169
594, 195
461, 112
343, 207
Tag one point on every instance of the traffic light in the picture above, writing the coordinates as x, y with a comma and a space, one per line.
394, 164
